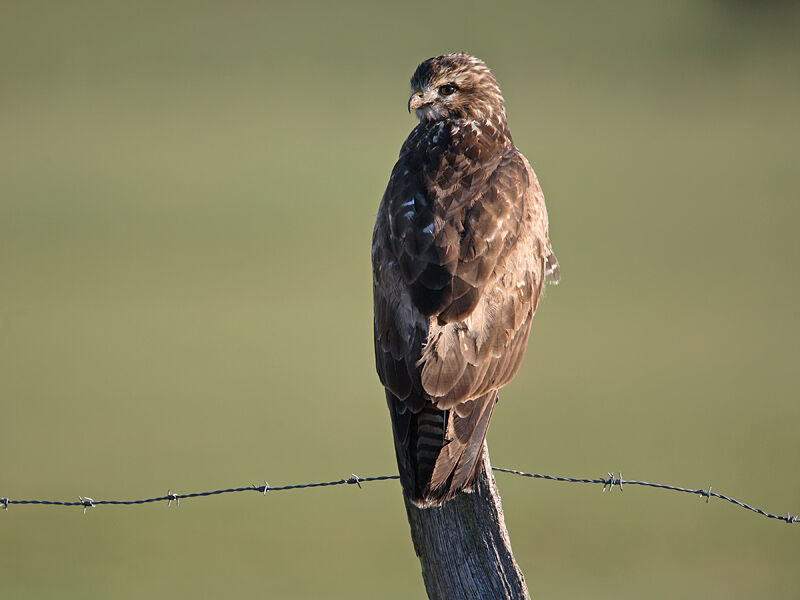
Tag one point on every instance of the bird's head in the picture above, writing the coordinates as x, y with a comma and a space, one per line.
455, 86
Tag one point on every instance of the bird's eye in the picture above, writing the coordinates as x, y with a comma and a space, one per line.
447, 89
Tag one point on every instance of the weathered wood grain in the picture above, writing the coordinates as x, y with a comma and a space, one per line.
464, 548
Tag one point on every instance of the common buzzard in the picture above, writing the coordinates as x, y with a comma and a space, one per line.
460, 252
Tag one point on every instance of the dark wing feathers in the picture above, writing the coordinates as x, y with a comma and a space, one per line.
483, 330
459, 256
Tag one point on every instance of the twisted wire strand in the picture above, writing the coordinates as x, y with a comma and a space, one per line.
608, 483
611, 481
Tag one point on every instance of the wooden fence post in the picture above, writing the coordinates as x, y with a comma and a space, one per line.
464, 547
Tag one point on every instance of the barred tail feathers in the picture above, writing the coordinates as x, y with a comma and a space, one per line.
438, 450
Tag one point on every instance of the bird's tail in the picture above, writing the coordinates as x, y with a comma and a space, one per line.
438, 450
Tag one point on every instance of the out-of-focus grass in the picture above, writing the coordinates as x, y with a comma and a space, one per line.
187, 194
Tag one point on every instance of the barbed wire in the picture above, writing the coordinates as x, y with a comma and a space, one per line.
611, 481
608, 483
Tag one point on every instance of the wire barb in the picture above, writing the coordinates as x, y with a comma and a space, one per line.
612, 481
171, 497
354, 479
261, 488
86, 502
708, 494
4, 502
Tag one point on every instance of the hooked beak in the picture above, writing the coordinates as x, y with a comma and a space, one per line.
416, 101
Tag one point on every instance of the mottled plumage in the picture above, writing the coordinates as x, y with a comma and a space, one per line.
460, 252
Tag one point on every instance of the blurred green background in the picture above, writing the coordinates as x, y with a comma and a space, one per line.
187, 194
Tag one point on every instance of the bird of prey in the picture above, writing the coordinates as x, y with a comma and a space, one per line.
460, 252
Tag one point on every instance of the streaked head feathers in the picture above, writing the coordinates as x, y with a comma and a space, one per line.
455, 86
